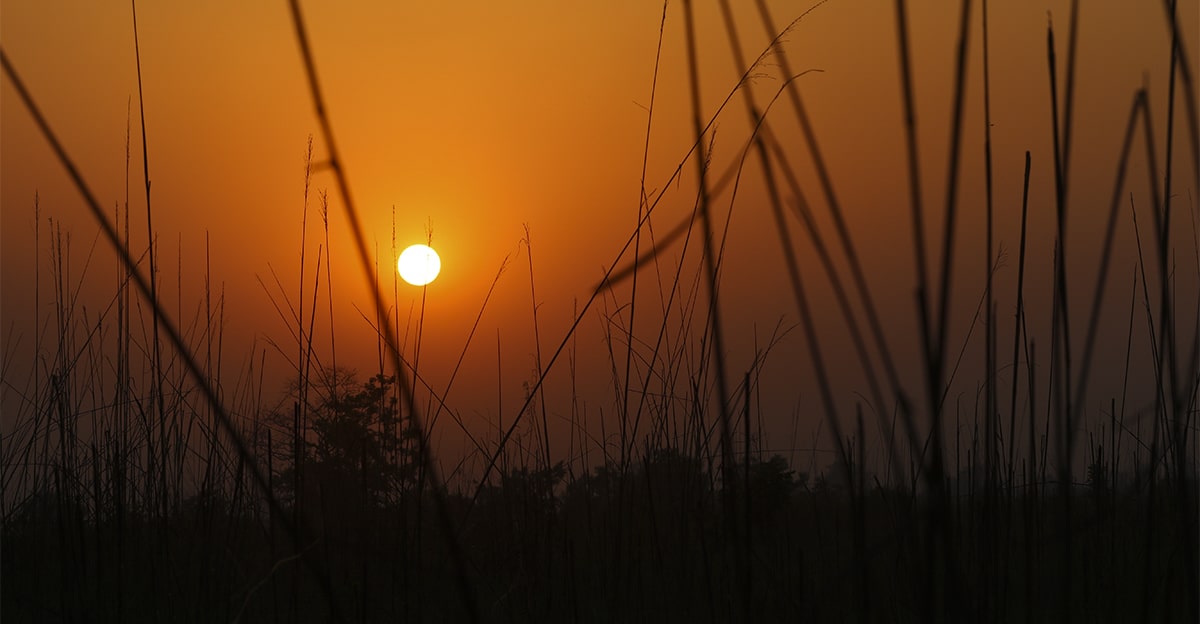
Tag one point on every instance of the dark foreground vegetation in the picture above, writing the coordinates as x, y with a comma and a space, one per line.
656, 540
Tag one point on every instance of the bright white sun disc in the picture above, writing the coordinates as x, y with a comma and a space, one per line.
419, 265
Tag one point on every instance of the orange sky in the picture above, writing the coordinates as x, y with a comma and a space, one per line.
479, 118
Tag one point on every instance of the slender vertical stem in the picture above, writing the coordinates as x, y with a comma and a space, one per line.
1069, 88
329, 293
748, 543
992, 416
717, 346
914, 177
1178, 392
1061, 343
951, 214
1018, 324
537, 342
642, 209
156, 353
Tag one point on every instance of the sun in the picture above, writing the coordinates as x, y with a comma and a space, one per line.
419, 265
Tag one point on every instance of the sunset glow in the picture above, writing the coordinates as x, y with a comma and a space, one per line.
419, 265
760, 311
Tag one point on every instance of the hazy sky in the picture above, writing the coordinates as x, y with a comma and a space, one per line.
477, 119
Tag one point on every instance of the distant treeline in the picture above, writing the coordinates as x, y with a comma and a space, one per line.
356, 534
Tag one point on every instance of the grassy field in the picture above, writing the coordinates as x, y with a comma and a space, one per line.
140, 482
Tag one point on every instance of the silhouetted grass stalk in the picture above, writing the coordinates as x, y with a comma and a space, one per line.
143, 285
335, 164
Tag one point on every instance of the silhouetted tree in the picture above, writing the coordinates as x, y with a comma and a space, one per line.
772, 483
360, 453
